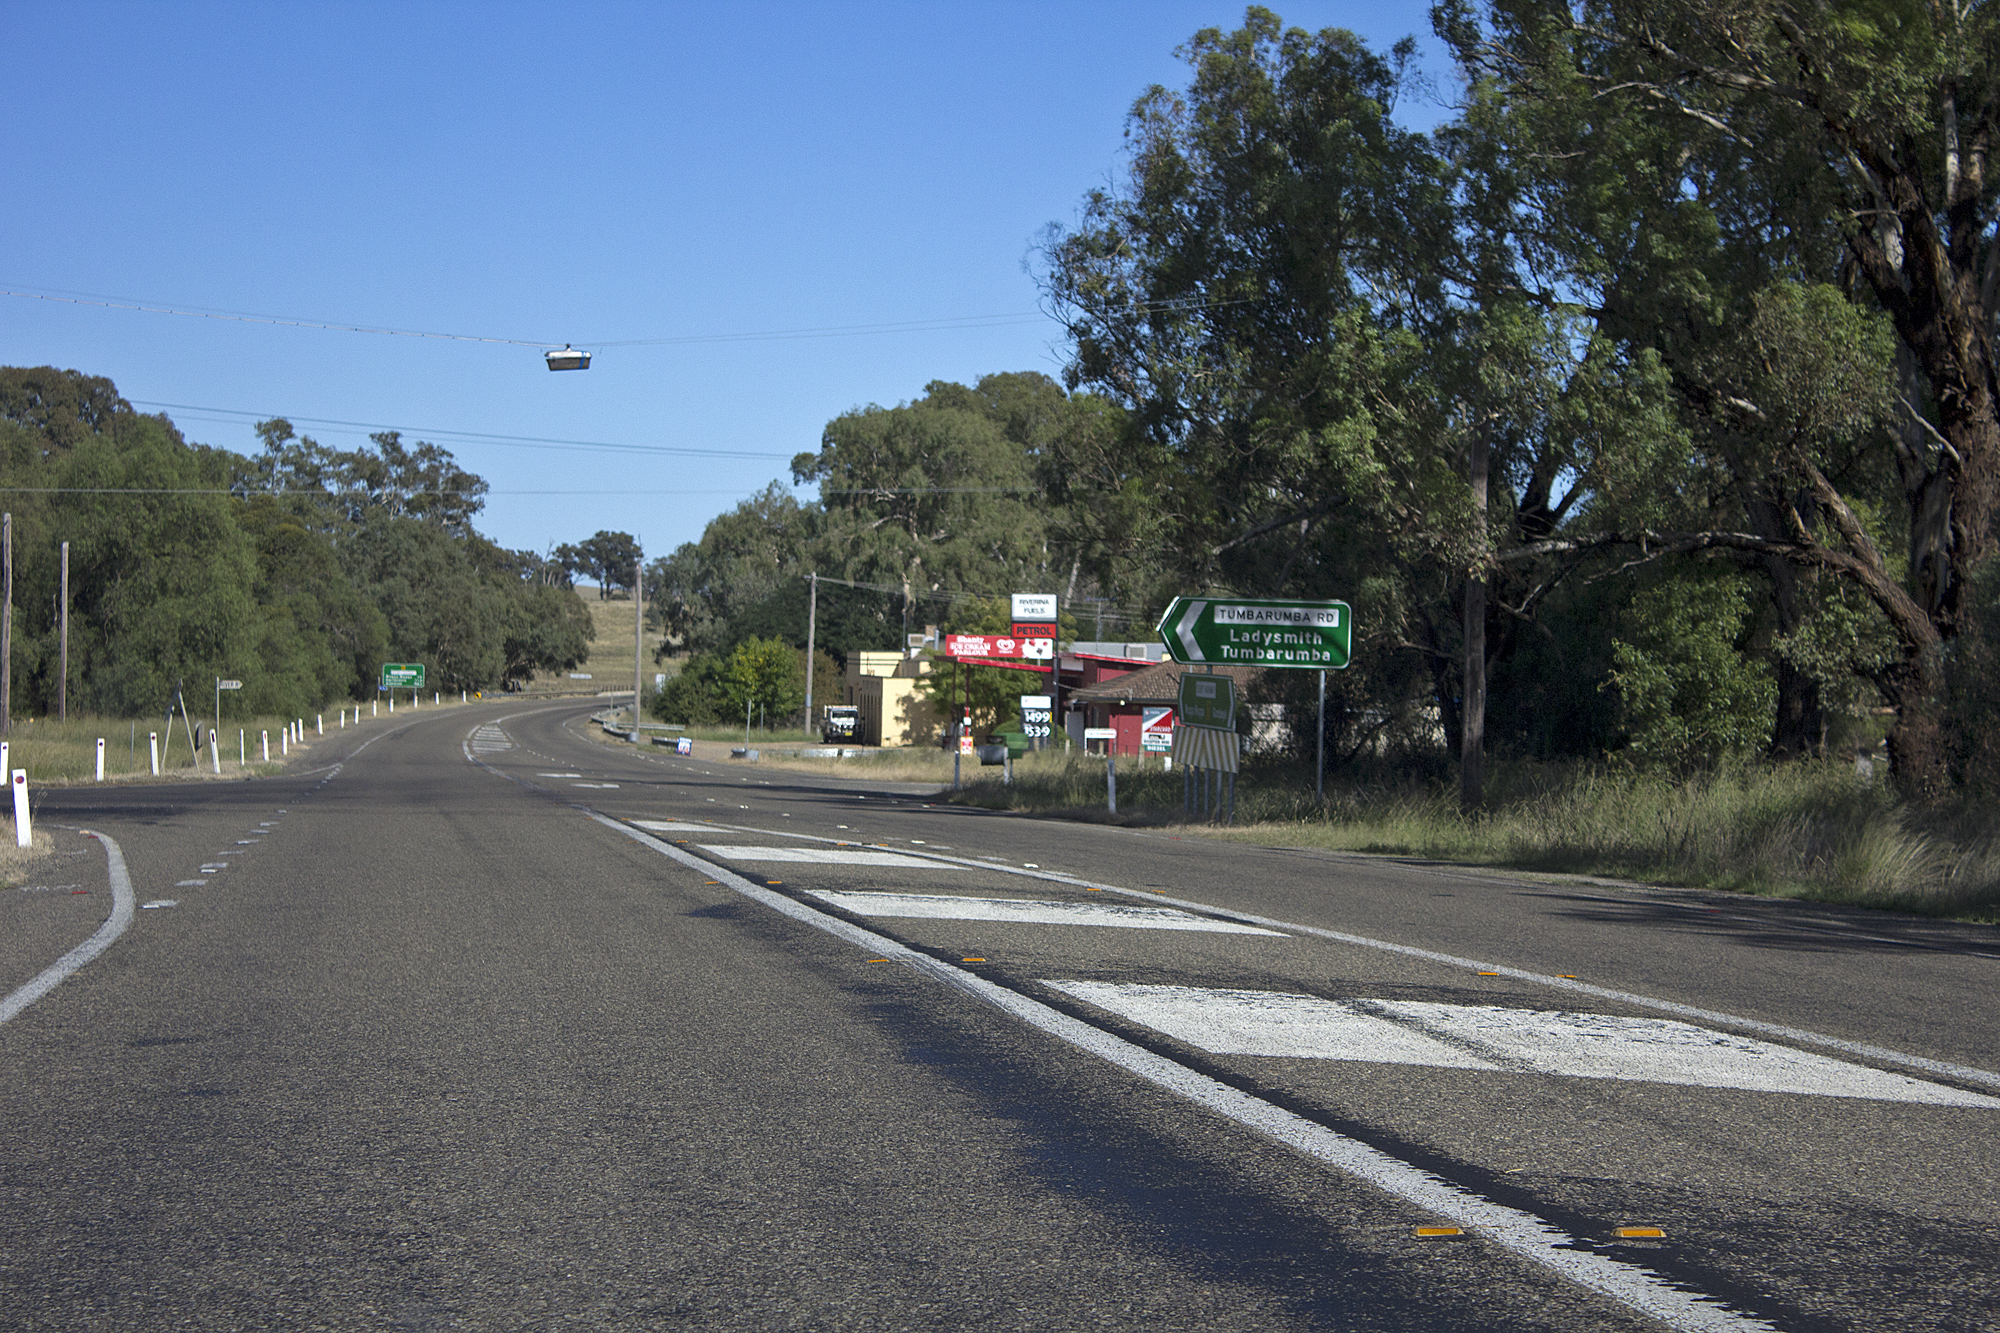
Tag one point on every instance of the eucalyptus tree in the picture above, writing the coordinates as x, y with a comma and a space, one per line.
1701, 174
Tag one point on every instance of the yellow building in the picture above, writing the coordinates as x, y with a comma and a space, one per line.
884, 687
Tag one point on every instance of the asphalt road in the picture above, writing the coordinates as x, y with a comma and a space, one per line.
440, 1034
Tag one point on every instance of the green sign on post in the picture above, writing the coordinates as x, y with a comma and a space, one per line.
402, 675
1248, 631
1208, 701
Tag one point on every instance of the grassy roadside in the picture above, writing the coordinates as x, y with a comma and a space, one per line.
62, 753
1807, 831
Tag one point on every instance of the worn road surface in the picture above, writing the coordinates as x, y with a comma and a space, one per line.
485, 1024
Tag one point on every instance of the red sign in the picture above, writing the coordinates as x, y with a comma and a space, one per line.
1034, 629
997, 645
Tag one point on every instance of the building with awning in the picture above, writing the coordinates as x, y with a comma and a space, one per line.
1121, 701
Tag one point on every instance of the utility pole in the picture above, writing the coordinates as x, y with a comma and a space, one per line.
638, 641
7, 625
62, 685
812, 624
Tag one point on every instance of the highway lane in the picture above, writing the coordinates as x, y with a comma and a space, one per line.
432, 1048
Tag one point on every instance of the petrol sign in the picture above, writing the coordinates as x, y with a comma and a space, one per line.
1038, 716
1156, 730
1039, 607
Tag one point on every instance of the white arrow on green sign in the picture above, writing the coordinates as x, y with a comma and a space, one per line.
1248, 631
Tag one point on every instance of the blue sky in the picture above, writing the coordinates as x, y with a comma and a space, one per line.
581, 172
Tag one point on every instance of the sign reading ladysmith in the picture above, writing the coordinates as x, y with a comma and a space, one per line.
1244, 631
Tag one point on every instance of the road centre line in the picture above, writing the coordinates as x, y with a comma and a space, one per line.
56, 973
1802, 1036
1518, 1232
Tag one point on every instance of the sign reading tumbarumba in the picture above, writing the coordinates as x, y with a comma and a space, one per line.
1248, 631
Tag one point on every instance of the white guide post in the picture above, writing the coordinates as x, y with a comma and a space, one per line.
100, 758
242, 757
374, 708
284, 742
215, 752
319, 723
24, 832
267, 745
153, 748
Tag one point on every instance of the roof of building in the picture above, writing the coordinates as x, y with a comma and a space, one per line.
1159, 684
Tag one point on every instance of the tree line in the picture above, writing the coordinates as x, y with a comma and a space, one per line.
1645, 406
298, 570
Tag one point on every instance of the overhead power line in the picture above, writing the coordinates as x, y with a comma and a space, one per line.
947, 324
228, 414
944, 325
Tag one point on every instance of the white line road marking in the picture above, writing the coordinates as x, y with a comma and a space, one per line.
938, 907
188, 883
598, 786
672, 826
1520, 1233
823, 856
558, 775
160, 902
1491, 1037
1245, 1022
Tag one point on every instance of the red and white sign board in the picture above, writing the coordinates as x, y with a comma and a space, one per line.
997, 645
1156, 731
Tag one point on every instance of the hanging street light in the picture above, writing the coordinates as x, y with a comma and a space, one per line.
568, 359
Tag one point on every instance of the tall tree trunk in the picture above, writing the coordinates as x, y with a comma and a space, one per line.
1472, 739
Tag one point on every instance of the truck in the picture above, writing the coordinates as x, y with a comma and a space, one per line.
841, 722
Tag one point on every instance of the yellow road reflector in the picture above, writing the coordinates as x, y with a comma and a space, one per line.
1440, 1231
972, 960
1567, 976
711, 881
1091, 888
878, 960
1642, 1233
774, 881
1489, 974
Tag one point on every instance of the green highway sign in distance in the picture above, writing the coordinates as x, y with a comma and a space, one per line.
402, 675
1249, 631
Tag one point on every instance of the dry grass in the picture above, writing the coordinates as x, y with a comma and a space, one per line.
1800, 830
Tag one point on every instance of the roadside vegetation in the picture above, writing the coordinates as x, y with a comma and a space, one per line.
1808, 830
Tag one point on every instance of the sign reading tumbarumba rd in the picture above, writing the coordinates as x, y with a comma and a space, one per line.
402, 675
1247, 631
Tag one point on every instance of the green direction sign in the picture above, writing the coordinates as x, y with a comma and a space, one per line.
1247, 631
402, 675
1208, 701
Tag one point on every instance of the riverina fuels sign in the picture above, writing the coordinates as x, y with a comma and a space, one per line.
1242, 631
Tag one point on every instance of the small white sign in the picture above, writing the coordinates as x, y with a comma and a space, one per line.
1100, 733
228, 684
1040, 606
579, 675
1037, 701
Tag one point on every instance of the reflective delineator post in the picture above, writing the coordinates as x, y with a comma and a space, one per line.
24, 832
100, 758
319, 723
242, 754
267, 745
1111, 775
215, 752
374, 709
284, 742
153, 748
